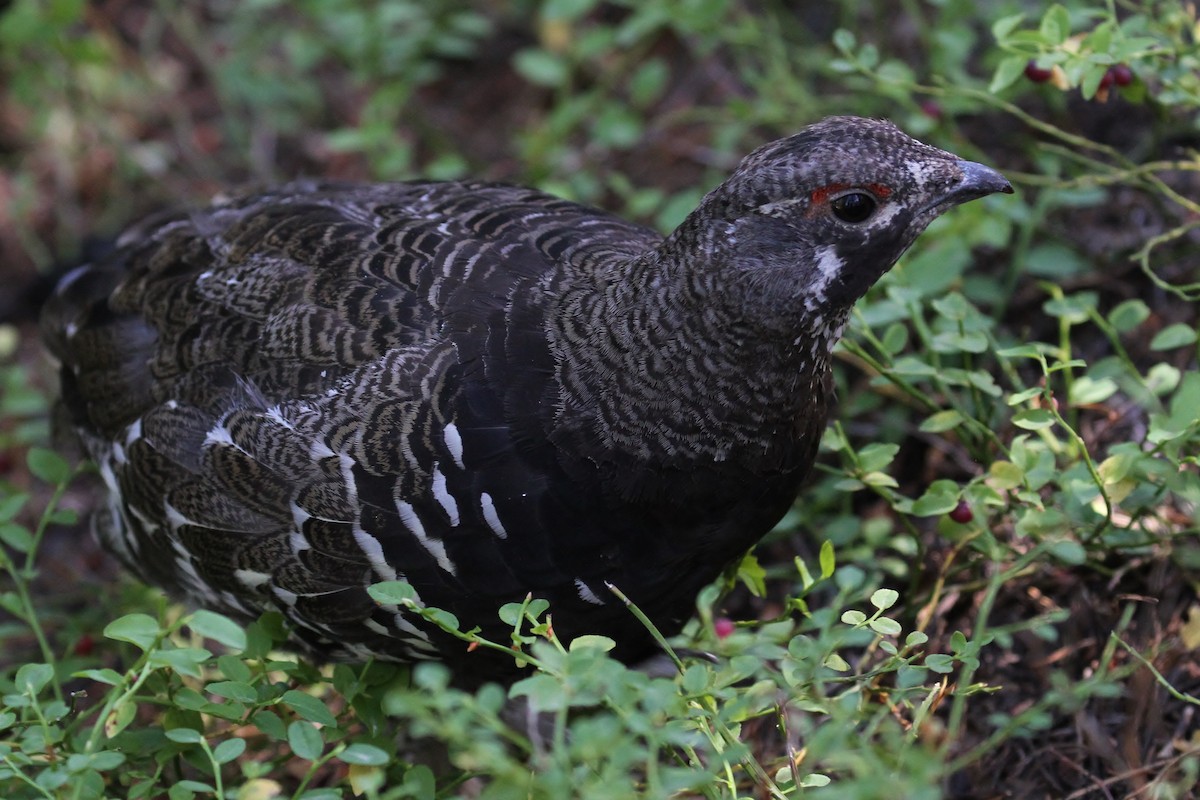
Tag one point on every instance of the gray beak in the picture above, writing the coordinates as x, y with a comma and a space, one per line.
979, 181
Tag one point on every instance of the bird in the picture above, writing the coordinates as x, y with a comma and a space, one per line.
480, 389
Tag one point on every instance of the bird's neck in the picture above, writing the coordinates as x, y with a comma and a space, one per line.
661, 364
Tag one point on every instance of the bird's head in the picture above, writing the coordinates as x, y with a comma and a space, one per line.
808, 223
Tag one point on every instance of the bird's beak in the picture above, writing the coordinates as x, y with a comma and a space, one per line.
978, 181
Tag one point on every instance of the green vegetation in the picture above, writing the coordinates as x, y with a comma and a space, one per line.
995, 591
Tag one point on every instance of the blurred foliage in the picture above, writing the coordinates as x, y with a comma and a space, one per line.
1020, 414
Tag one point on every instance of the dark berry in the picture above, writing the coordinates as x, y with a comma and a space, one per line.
723, 626
1037, 74
962, 513
1122, 75
931, 109
1107, 81
85, 645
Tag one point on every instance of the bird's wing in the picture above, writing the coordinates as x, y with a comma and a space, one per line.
297, 394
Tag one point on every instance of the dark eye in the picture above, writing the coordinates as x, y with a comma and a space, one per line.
853, 207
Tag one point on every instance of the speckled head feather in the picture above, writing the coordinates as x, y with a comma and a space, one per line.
480, 389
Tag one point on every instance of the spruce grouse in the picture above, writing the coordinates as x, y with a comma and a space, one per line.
480, 389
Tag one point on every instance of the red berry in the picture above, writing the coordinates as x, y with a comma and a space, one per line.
931, 109
1037, 74
1107, 81
1122, 75
723, 626
962, 513
85, 645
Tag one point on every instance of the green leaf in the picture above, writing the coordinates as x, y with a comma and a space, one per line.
234, 690
1128, 315
1116, 468
308, 707
219, 628
185, 735
942, 421
100, 760
194, 786
1056, 25
1006, 475
940, 498
512, 613
954, 307
1073, 308
854, 617
752, 574
537, 607
883, 599
1054, 260
108, 676
228, 750
443, 619
895, 338
1034, 419
140, 630
234, 668
119, 718
393, 593
591, 641
844, 41
1033, 350
1100, 39
365, 755
960, 342
184, 660
32, 678
827, 559
328, 793
541, 67
648, 82
697, 679
1022, 396
1007, 72
1172, 336
836, 662
1069, 552
939, 663
305, 740
269, 723
16, 536
566, 9
885, 626
10, 506
1086, 390
881, 479
1002, 27
48, 466
875, 457
180, 791
913, 367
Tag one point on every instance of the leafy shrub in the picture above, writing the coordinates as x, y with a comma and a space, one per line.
1010, 490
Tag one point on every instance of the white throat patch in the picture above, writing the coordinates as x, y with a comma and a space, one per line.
829, 266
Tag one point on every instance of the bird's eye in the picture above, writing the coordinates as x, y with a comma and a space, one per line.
853, 207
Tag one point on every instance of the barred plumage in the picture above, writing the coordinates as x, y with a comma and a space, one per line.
481, 389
